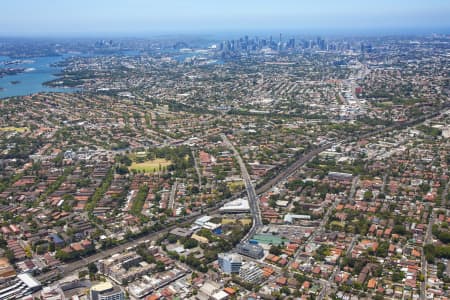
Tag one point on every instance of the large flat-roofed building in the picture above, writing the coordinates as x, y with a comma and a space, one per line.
236, 206
340, 176
202, 220
147, 284
21, 286
250, 272
106, 291
229, 262
290, 218
251, 250
124, 267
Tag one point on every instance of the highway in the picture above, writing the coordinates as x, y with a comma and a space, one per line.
351, 195
197, 169
173, 191
251, 193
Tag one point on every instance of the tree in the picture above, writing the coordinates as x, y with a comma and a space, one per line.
190, 243
275, 250
92, 268
430, 252
160, 267
122, 170
10, 255
62, 255
82, 274
41, 249
397, 276
2, 242
172, 238
285, 290
399, 229
382, 250
368, 195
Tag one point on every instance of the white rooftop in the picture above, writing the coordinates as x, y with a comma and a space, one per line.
220, 295
202, 220
236, 205
29, 280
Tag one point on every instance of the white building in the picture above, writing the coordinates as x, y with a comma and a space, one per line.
236, 206
106, 291
229, 262
23, 285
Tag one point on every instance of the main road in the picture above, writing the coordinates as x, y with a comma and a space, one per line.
197, 169
251, 193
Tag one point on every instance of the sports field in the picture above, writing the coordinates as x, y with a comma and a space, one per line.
150, 166
17, 129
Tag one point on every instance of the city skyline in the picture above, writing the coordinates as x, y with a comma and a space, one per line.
140, 18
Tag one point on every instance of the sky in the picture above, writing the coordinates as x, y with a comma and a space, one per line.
141, 17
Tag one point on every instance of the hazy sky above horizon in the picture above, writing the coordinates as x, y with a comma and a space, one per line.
89, 17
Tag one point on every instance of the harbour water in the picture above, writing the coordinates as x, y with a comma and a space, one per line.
38, 71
